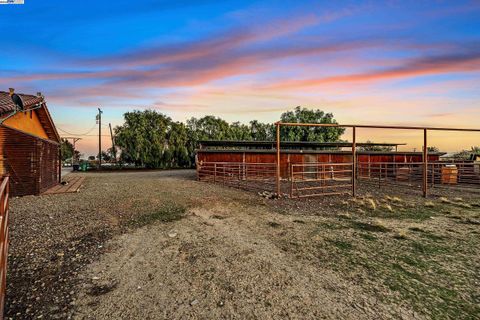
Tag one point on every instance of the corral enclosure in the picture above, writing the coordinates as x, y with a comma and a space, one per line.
309, 169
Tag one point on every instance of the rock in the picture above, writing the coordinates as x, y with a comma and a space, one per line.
194, 302
172, 234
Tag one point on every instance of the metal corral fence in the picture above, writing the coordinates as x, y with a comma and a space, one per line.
320, 179
303, 180
328, 178
251, 176
444, 174
4, 194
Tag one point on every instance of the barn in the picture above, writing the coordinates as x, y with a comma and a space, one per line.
29, 144
307, 167
300, 152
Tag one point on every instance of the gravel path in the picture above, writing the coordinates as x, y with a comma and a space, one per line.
55, 236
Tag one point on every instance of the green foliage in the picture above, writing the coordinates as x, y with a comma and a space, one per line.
66, 148
106, 156
467, 154
375, 148
318, 134
151, 139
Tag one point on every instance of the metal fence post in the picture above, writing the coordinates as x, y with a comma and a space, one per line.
354, 162
278, 159
425, 164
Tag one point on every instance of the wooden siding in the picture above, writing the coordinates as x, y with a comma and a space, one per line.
32, 163
28, 122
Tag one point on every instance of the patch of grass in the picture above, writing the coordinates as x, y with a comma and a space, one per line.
274, 224
429, 204
342, 245
368, 236
414, 261
372, 204
400, 235
428, 249
418, 213
373, 227
444, 200
167, 213
299, 221
432, 236
331, 226
416, 229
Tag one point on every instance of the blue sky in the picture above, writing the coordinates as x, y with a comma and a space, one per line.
395, 62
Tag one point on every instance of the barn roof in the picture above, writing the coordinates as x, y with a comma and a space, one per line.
289, 144
31, 102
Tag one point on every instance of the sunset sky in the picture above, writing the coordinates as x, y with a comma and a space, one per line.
375, 62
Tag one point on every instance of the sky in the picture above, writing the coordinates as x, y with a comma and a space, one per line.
374, 62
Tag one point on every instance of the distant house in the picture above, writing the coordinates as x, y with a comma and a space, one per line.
29, 144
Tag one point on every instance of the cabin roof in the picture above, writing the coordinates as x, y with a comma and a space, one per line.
31, 102
7, 105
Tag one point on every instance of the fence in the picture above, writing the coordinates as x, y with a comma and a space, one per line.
320, 179
439, 174
303, 180
4, 194
251, 176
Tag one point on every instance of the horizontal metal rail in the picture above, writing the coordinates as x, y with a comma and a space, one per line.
249, 176
314, 178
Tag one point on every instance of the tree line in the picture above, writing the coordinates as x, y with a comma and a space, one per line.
153, 140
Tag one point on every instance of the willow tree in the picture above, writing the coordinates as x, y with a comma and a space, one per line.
143, 137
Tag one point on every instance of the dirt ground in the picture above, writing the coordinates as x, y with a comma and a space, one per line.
159, 245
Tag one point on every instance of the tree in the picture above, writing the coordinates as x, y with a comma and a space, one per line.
318, 134
92, 158
433, 149
178, 141
238, 131
375, 148
66, 148
467, 154
143, 137
106, 156
261, 131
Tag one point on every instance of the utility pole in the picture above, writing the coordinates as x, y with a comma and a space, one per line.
114, 152
99, 118
74, 140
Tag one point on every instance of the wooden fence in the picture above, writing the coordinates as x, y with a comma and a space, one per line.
4, 194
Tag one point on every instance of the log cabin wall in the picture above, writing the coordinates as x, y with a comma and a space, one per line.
31, 162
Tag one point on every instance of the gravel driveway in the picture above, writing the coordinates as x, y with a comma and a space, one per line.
160, 245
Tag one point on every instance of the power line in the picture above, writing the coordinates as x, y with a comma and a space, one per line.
75, 134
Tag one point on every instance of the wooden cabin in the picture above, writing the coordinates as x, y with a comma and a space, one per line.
29, 144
